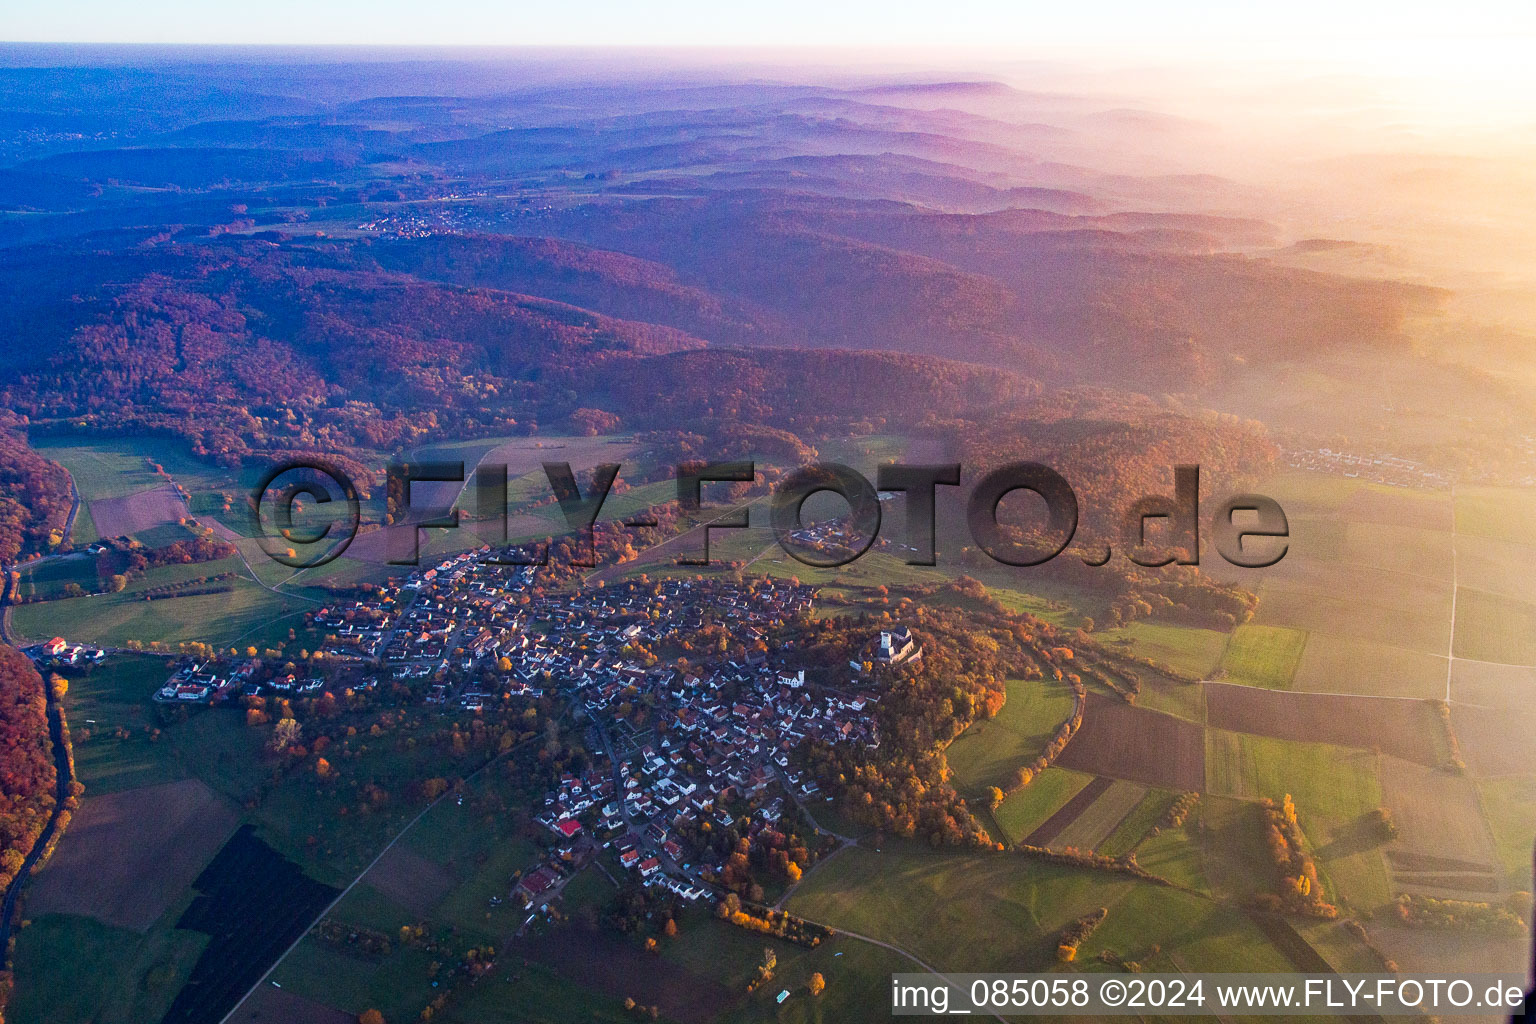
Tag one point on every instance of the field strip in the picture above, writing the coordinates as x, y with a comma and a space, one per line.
1100, 819
1068, 812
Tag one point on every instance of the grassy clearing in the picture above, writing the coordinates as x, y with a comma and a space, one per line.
1362, 604
115, 467
1492, 627
1129, 833
856, 973
1232, 857
1332, 664
1264, 656
301, 816
990, 751
247, 613
47, 580
71, 969
370, 908
956, 911
120, 743
1334, 788
1510, 804
1025, 810
466, 906
1190, 932
1499, 513
1175, 855
398, 985
1186, 649
1004, 913
858, 986
111, 725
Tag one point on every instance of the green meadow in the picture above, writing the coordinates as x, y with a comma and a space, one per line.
991, 750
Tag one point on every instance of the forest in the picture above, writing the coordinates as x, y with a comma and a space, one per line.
27, 778
34, 499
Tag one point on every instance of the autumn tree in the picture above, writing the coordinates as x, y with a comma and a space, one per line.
817, 984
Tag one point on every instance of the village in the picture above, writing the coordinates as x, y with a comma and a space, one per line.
675, 742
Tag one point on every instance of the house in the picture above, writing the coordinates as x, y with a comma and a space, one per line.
537, 882
649, 867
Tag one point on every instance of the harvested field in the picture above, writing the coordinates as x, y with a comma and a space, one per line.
411, 880
1332, 664
135, 513
128, 856
1068, 813
1493, 686
1495, 741
1448, 884
1399, 548
1497, 566
529, 455
1425, 950
1428, 862
1500, 513
1100, 818
1360, 603
1130, 742
1396, 506
1495, 627
1438, 815
269, 1005
1409, 729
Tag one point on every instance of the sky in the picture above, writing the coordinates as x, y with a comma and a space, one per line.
992, 25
